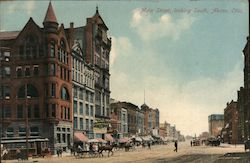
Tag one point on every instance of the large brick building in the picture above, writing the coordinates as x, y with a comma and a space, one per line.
246, 101
231, 123
36, 81
36, 76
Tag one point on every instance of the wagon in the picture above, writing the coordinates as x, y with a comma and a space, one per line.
247, 145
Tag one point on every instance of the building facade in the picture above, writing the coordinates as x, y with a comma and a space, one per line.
36, 82
139, 121
119, 116
246, 102
83, 92
215, 124
240, 110
231, 123
151, 120
97, 48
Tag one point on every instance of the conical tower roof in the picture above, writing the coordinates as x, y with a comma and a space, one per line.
50, 15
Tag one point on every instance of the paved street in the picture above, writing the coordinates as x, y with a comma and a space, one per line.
162, 153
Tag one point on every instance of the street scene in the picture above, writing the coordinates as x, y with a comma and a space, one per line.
163, 153
124, 81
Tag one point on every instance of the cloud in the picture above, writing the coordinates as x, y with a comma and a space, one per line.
165, 27
28, 7
187, 106
120, 46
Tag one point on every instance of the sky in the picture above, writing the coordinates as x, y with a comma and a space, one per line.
186, 54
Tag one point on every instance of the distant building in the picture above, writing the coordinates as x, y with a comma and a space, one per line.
215, 123
151, 119
231, 123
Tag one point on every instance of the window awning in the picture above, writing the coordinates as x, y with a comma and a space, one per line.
78, 136
108, 137
124, 140
100, 140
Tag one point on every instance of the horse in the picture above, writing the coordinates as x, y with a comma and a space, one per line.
108, 148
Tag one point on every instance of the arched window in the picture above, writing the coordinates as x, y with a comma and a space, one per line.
31, 91
64, 94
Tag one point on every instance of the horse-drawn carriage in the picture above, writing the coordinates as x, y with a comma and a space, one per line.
196, 142
247, 145
213, 142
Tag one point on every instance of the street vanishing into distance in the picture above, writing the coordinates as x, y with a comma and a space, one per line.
160, 153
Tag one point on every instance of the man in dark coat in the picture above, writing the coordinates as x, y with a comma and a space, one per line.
176, 146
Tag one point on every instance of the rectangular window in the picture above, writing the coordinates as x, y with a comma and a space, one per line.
75, 92
63, 138
27, 71
22, 131
6, 92
52, 49
53, 90
53, 110
75, 122
61, 72
87, 124
65, 113
68, 114
75, 107
87, 109
91, 111
36, 70
87, 96
6, 72
52, 69
81, 94
81, 124
61, 112
81, 108
91, 124
7, 112
65, 74
58, 137
19, 111
34, 131
19, 72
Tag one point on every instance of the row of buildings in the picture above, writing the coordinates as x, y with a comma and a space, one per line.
128, 120
234, 125
55, 88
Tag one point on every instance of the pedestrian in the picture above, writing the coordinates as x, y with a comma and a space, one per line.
149, 145
191, 143
18, 154
60, 151
176, 146
57, 152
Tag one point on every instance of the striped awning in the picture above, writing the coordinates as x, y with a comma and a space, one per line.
78, 136
108, 137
